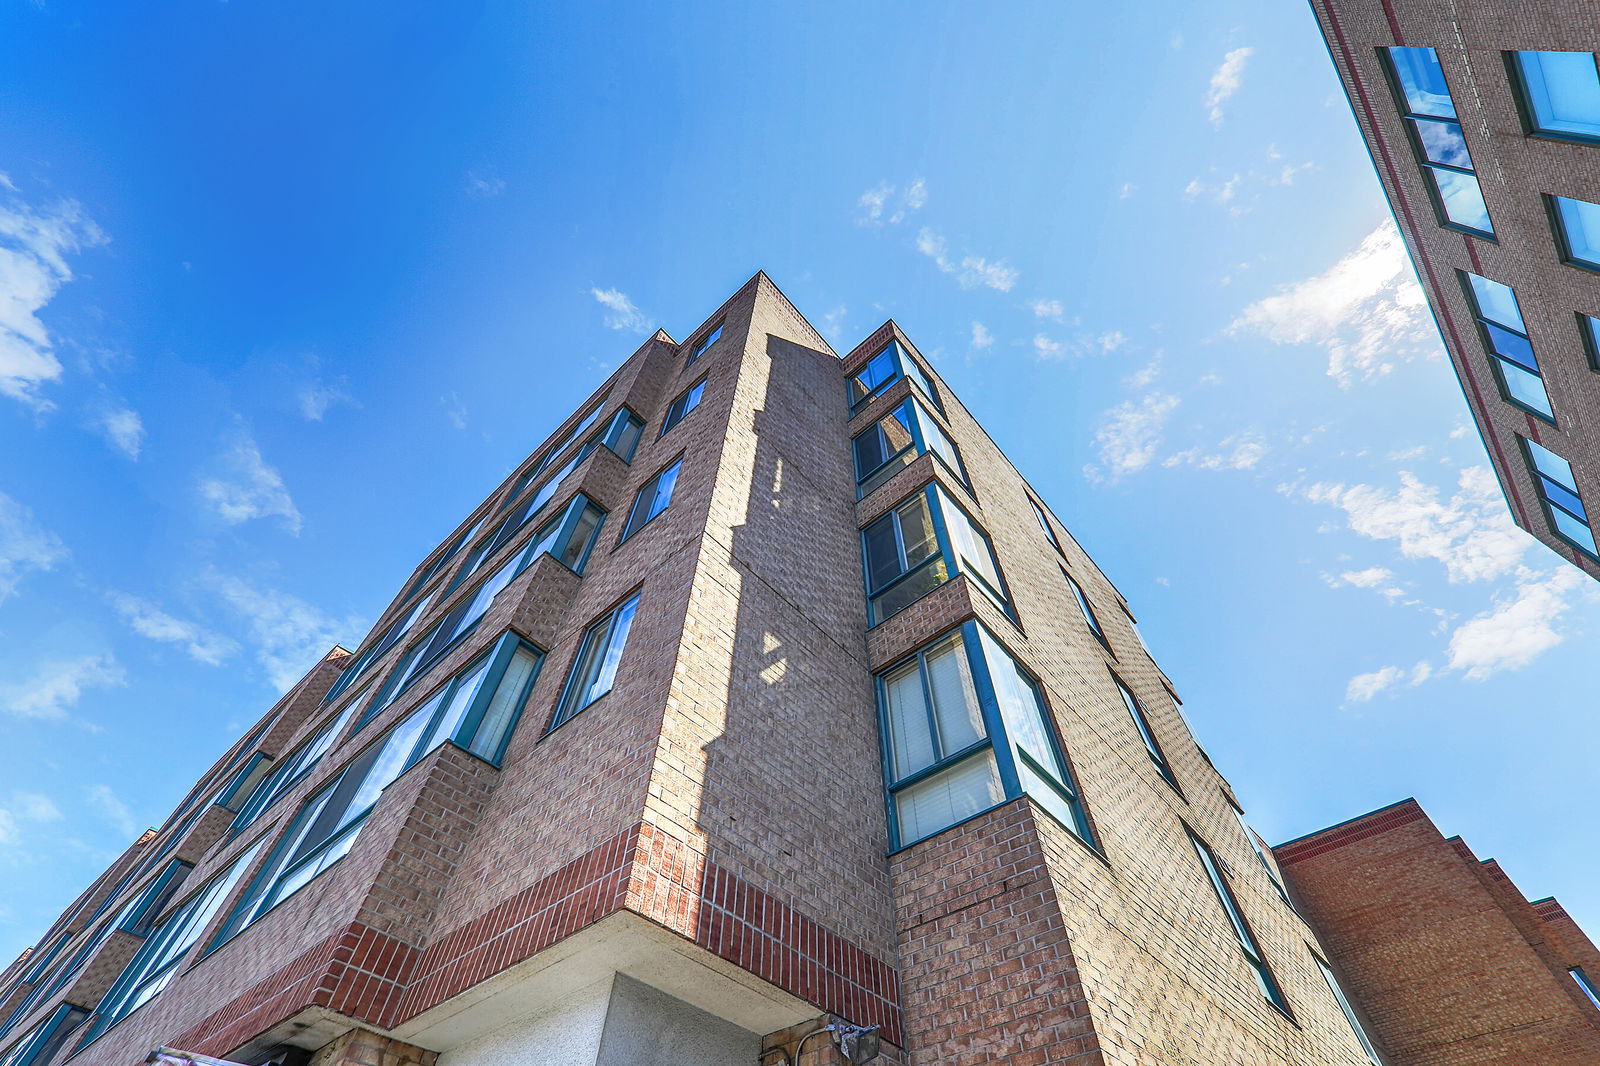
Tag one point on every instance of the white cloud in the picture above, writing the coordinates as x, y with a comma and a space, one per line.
454, 409
1225, 81
1470, 533
148, 620
25, 546
1145, 375
123, 429
34, 245
1371, 577
116, 812
35, 807
1363, 687
8, 827
1518, 630
58, 685
249, 488
289, 635
833, 322
981, 337
1045, 348
880, 205
315, 399
485, 184
1126, 190
1111, 340
972, 271
620, 311
1240, 451
1130, 434
1047, 309
1366, 310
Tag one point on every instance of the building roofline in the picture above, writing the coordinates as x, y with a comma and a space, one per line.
1350, 823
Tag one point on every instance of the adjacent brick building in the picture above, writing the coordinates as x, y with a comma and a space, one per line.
1483, 121
1453, 966
766, 691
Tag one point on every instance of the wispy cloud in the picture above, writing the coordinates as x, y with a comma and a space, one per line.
833, 322
972, 271
288, 635
454, 409
1518, 629
620, 311
1363, 687
317, 396
247, 487
1047, 309
122, 428
981, 337
111, 807
58, 685
1129, 436
25, 546
148, 620
484, 183
1367, 311
885, 204
1239, 451
35, 807
1047, 347
34, 245
1225, 81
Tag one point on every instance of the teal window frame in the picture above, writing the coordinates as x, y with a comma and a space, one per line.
650, 501
1533, 98
1348, 1008
442, 559
878, 374
705, 341
45, 1040
1589, 329
685, 402
1087, 608
1439, 173
158, 959
1141, 724
1248, 945
597, 661
1501, 338
1044, 524
1018, 770
1559, 495
923, 434
1585, 985
233, 795
376, 649
1560, 220
555, 451
291, 770
943, 564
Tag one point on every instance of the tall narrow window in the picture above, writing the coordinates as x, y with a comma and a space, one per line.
45, 1040
1086, 607
653, 497
1142, 724
920, 544
1503, 333
963, 731
291, 770
1430, 115
1558, 492
679, 409
1044, 524
1585, 985
1578, 231
556, 450
1589, 326
890, 444
376, 649
710, 337
1560, 94
622, 434
442, 560
595, 667
1247, 942
1349, 1011
884, 369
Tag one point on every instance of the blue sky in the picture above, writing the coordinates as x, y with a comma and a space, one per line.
285, 291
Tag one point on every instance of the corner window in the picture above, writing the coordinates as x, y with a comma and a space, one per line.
964, 731
1560, 94
46, 1039
595, 667
555, 452
376, 649
1503, 334
711, 337
687, 401
1430, 115
893, 442
1349, 1011
439, 563
1558, 492
1086, 607
1247, 942
1577, 231
232, 797
291, 770
1585, 985
919, 545
883, 370
1142, 724
653, 497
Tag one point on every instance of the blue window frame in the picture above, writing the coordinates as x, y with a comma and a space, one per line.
687, 401
1349, 1010
594, 668
555, 451
440, 561
1430, 116
376, 649
1146, 734
1505, 337
893, 442
1560, 94
710, 337
291, 770
653, 497
1558, 492
918, 545
1585, 985
1086, 607
1589, 327
965, 730
45, 1040
884, 369
1044, 524
1577, 225
1241, 929
156, 962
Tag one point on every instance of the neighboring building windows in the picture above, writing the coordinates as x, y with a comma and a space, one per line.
1247, 942
890, 444
1086, 607
964, 730
554, 453
653, 497
884, 369
155, 963
1142, 724
1560, 94
686, 402
1349, 1011
1261, 854
1558, 490
711, 337
377, 649
1436, 135
1585, 985
291, 770
443, 560
46, 1039
1503, 333
244, 782
595, 667
918, 546
1578, 230
1044, 524
1589, 326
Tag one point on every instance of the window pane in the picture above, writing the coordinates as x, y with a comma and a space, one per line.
1591, 329
971, 546
1563, 92
1462, 199
577, 431
1496, 302
619, 638
624, 436
908, 591
1587, 986
955, 700
1513, 346
1573, 529
1580, 227
914, 372
910, 738
1349, 1011
1020, 707
1083, 606
883, 552
1442, 142
571, 553
705, 342
461, 695
944, 799
941, 446
595, 668
504, 705
1559, 494
1551, 465
1527, 389
916, 530
1422, 81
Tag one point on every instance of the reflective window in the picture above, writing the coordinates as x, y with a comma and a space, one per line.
1558, 491
291, 770
377, 648
653, 497
1430, 113
1247, 942
1085, 606
1501, 330
711, 337
1560, 93
443, 560
1349, 1011
919, 545
943, 710
1142, 724
890, 444
1585, 985
1421, 80
595, 667
1044, 524
883, 370
589, 419
1578, 227
45, 1040
686, 402
1590, 327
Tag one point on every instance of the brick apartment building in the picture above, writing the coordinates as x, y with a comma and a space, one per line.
1483, 121
765, 693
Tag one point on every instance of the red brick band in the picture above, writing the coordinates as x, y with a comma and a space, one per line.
1349, 833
